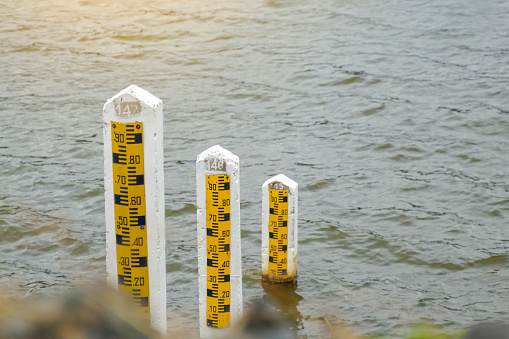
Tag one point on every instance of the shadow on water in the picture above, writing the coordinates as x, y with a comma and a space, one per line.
286, 299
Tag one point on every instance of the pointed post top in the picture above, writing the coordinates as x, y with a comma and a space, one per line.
131, 101
283, 179
217, 151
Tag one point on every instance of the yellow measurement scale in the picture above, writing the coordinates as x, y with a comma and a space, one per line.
218, 250
278, 233
130, 212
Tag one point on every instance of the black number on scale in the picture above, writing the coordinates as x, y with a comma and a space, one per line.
121, 179
139, 281
119, 137
134, 159
212, 187
121, 221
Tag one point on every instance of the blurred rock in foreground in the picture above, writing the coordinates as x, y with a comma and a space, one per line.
260, 321
488, 331
105, 314
99, 315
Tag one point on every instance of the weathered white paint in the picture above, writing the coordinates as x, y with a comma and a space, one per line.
292, 187
147, 109
229, 164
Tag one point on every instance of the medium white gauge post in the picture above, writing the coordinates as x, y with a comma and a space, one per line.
134, 200
279, 230
219, 257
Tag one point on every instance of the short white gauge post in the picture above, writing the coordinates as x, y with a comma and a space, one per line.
134, 198
279, 230
219, 257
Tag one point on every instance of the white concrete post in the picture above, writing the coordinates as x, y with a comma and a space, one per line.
134, 198
279, 230
219, 257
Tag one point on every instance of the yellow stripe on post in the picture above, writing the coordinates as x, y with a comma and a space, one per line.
130, 212
278, 234
218, 250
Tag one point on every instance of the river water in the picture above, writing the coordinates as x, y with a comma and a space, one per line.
392, 116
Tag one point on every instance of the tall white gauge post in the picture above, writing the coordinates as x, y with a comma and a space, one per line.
279, 230
219, 257
134, 197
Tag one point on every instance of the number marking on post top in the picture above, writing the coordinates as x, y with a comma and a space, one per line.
218, 250
130, 212
278, 232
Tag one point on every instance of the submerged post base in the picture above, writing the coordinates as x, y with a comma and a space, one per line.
285, 279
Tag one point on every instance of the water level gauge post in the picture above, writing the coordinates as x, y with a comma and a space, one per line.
279, 230
218, 233
134, 200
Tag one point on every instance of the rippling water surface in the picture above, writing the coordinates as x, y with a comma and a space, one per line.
393, 117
